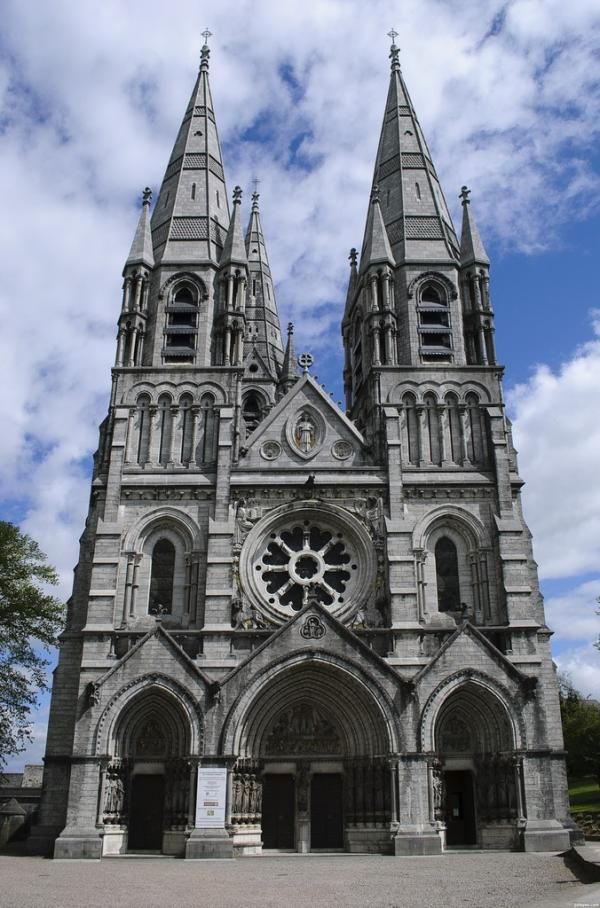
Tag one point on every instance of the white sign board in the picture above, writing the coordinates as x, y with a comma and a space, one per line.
210, 798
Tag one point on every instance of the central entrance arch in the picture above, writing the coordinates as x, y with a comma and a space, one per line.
313, 740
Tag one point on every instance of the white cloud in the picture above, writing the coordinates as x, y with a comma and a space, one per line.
557, 434
582, 666
573, 615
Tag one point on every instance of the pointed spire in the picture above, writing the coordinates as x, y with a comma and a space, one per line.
376, 245
289, 370
141, 249
234, 250
413, 208
352, 282
262, 317
472, 250
191, 216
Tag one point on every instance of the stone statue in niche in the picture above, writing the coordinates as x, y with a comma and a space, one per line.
114, 798
246, 516
305, 432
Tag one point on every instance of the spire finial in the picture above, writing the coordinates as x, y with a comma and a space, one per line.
237, 196
255, 198
464, 195
290, 328
375, 193
205, 51
147, 196
394, 51
353, 257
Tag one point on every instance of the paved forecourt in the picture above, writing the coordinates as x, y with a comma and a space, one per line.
481, 880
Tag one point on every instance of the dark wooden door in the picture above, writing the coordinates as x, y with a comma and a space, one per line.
146, 813
278, 811
326, 819
460, 808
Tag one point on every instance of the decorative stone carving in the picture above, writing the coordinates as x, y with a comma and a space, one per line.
151, 741
114, 813
303, 729
270, 450
455, 736
305, 431
342, 449
313, 628
246, 793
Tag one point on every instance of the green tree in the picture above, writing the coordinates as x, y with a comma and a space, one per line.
581, 728
30, 619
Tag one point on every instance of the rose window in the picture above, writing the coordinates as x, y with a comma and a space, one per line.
306, 562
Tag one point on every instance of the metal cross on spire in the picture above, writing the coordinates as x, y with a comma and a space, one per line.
206, 34
394, 51
255, 182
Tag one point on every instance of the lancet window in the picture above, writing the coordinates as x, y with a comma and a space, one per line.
411, 427
253, 411
165, 428
435, 335
182, 325
446, 568
207, 448
144, 417
162, 576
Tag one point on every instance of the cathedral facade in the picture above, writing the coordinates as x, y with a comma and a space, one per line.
293, 627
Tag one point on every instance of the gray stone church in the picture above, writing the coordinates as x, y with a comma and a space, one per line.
293, 627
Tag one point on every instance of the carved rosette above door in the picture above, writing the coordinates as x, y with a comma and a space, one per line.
303, 553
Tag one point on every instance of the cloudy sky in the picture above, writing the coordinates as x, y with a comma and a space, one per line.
91, 96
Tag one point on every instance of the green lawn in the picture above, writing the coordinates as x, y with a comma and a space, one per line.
584, 794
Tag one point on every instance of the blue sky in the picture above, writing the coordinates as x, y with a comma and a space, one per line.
91, 97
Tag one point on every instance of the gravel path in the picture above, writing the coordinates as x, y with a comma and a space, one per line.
480, 880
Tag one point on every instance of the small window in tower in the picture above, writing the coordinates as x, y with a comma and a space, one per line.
253, 286
161, 580
218, 199
166, 199
387, 199
268, 292
446, 569
431, 296
418, 191
193, 191
407, 132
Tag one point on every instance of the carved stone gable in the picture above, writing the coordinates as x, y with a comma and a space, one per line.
303, 729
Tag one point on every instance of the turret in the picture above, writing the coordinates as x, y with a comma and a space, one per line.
136, 284
289, 370
478, 315
230, 320
263, 330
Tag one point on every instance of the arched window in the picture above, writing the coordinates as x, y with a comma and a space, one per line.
357, 369
446, 569
187, 427
165, 428
435, 338
143, 428
477, 448
182, 325
161, 579
412, 429
252, 411
208, 430
433, 428
454, 428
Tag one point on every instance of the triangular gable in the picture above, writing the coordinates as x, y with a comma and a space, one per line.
278, 644
253, 357
338, 443
134, 654
480, 642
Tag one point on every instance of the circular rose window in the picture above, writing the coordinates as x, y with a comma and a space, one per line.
307, 556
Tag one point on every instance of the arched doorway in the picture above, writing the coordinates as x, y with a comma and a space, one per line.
476, 774
146, 783
313, 772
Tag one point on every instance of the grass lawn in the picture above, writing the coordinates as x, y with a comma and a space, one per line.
584, 795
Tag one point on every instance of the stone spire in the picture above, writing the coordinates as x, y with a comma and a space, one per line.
472, 250
262, 318
141, 252
289, 370
191, 216
234, 250
376, 245
413, 208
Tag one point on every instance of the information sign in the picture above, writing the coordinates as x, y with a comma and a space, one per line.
211, 797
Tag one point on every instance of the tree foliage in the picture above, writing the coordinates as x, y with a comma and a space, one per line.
30, 619
581, 729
